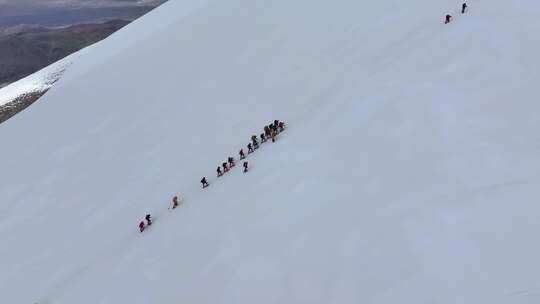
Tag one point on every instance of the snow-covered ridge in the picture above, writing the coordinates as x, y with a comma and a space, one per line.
38, 82
17, 96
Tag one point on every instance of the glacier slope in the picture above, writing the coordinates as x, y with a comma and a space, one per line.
409, 171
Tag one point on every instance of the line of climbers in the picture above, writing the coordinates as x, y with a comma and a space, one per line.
448, 17
148, 221
270, 132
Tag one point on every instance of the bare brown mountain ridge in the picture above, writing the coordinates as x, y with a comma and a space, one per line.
28, 51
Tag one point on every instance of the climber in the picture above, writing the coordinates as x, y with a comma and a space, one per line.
175, 202
274, 135
141, 226
218, 170
204, 182
267, 131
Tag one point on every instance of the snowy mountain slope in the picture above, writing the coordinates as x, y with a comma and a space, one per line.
408, 174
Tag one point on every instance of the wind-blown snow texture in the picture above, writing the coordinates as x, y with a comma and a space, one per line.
409, 172
38, 82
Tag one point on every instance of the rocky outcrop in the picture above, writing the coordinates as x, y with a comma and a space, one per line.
19, 104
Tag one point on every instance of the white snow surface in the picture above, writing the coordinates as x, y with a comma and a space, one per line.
409, 172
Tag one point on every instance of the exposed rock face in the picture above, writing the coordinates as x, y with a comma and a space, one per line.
19, 104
